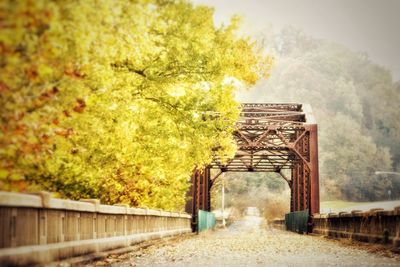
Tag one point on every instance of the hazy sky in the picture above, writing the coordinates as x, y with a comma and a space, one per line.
371, 26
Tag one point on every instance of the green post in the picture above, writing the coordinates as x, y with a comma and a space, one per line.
297, 221
206, 220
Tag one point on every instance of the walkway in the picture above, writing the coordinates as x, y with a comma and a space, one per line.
247, 243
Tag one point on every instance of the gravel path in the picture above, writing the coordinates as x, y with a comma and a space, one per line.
246, 243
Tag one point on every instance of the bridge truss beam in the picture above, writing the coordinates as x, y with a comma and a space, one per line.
270, 138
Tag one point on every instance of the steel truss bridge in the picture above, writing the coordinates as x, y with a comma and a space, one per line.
270, 138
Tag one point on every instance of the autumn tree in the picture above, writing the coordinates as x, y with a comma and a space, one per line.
118, 100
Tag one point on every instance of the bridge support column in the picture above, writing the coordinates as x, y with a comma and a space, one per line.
199, 195
314, 171
305, 173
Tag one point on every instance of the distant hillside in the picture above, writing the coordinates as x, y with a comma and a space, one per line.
356, 103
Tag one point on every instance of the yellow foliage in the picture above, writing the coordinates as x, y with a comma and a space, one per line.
107, 99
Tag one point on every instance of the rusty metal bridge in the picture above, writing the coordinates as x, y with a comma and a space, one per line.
270, 138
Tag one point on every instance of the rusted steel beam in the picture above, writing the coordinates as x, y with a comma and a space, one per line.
284, 106
314, 173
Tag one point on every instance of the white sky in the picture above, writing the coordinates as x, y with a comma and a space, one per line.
371, 26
